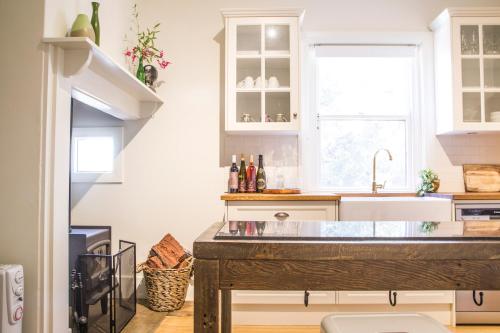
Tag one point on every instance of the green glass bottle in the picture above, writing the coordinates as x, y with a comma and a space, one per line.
140, 71
261, 176
95, 22
242, 176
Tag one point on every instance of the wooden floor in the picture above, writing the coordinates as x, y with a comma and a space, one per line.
147, 321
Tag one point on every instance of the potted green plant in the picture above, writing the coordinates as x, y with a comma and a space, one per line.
430, 182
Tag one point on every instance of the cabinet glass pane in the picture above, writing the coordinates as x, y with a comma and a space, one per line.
277, 107
491, 39
277, 39
492, 106
248, 107
470, 73
278, 73
247, 72
469, 36
248, 39
492, 73
472, 106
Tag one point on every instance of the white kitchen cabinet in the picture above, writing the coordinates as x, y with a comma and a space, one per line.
281, 297
281, 210
403, 297
262, 71
467, 70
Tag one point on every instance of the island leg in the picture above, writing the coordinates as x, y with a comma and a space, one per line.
206, 296
226, 310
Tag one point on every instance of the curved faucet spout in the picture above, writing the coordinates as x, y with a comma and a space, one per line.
375, 186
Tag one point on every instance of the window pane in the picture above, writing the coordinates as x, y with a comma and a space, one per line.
365, 85
94, 154
347, 148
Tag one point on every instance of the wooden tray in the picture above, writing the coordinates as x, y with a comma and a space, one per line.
282, 191
481, 178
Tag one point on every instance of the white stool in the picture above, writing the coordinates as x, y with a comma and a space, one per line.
381, 323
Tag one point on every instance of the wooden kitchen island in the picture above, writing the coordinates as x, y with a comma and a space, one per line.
330, 255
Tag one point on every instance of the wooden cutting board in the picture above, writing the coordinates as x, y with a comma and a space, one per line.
481, 178
282, 191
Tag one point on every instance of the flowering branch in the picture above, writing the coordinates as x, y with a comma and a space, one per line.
145, 46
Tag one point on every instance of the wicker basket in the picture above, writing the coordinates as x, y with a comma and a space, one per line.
166, 288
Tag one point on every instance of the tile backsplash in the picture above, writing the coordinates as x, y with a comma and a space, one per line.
281, 160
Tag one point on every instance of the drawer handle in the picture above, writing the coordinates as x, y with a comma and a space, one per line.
474, 297
281, 215
393, 298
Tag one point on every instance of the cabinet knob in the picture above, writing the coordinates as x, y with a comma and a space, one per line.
295, 115
281, 215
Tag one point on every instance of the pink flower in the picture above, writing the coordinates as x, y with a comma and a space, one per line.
163, 64
134, 57
128, 53
161, 54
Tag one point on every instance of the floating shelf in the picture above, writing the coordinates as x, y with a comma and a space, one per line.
100, 77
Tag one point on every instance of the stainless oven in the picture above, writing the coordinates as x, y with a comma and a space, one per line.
467, 311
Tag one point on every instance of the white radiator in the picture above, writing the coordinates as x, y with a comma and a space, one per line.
11, 298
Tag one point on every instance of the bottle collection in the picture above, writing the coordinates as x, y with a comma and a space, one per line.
247, 180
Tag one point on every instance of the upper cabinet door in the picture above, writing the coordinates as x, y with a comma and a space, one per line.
467, 47
262, 73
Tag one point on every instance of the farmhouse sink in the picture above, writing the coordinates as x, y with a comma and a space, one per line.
395, 209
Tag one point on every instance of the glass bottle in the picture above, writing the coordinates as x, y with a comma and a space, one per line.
233, 176
261, 176
251, 177
242, 176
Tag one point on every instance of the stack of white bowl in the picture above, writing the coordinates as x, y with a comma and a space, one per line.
495, 116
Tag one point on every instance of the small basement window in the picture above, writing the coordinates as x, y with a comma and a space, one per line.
97, 155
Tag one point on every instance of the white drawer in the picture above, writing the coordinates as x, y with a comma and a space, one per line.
281, 297
403, 297
281, 210
426, 296
363, 297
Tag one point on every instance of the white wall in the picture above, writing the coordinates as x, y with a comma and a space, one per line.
21, 65
176, 166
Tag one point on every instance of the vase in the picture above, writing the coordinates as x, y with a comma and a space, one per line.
82, 27
150, 76
95, 22
140, 71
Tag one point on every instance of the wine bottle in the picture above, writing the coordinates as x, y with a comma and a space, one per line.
261, 176
251, 177
242, 176
233, 176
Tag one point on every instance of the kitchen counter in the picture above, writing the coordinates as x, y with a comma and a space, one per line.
311, 196
339, 256
467, 195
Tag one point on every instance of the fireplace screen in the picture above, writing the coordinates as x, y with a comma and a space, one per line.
108, 298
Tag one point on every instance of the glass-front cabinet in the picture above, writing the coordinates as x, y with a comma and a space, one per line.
262, 71
467, 47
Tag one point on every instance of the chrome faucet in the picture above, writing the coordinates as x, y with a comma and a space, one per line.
375, 186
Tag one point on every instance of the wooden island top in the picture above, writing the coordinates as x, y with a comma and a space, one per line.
336, 255
280, 197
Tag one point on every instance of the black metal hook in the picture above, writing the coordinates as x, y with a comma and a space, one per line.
480, 302
306, 298
393, 297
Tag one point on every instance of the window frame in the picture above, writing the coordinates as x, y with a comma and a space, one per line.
114, 177
422, 98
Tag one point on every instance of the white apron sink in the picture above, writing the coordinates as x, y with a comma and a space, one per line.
395, 209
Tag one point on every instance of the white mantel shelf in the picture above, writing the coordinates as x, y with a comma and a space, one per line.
102, 78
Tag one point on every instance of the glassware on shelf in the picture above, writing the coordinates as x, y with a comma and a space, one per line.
491, 39
469, 36
247, 118
280, 118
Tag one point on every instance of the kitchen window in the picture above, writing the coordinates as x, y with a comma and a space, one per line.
365, 98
